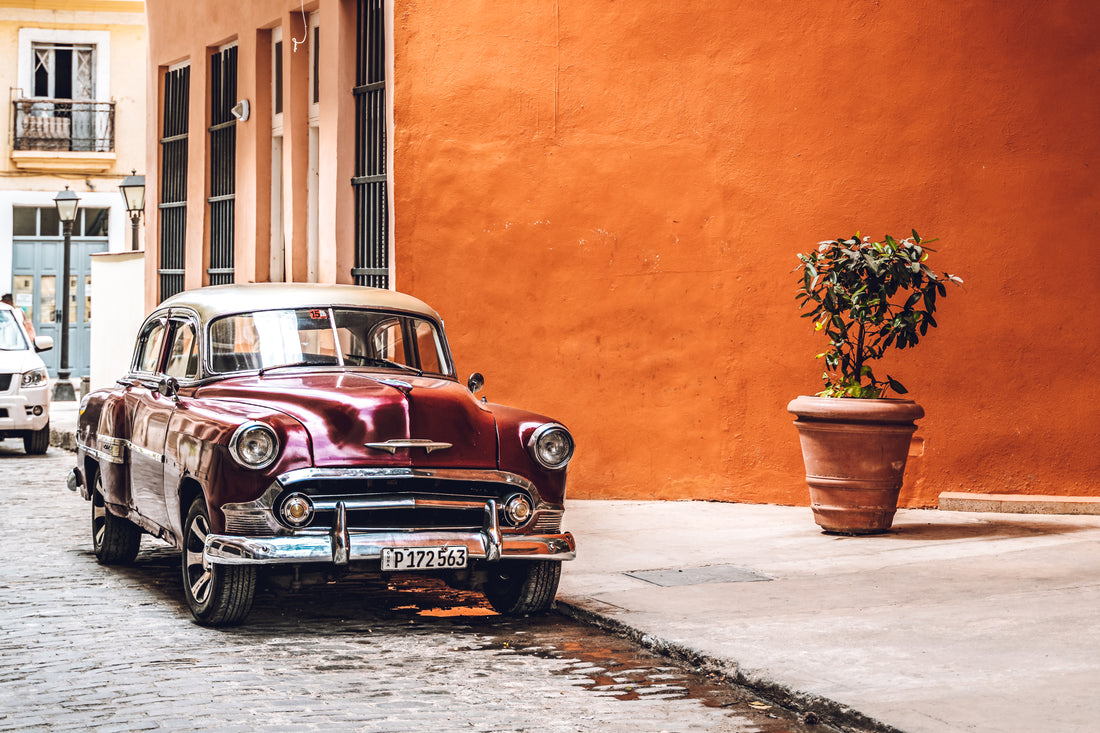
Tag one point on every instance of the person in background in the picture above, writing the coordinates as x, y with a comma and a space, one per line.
6, 298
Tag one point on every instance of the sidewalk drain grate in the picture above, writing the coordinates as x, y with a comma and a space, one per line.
698, 576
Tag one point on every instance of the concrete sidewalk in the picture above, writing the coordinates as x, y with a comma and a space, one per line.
952, 622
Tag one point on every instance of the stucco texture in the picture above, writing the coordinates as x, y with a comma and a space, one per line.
606, 199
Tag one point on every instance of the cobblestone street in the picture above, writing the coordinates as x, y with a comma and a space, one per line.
87, 647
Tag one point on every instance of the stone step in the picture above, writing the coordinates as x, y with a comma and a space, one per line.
960, 501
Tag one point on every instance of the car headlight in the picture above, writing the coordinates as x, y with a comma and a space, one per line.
34, 377
551, 446
254, 445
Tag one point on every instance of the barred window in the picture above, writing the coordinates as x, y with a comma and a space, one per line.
369, 184
173, 180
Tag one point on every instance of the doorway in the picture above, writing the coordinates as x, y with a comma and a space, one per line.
37, 263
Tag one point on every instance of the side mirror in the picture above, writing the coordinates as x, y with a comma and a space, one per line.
43, 343
170, 388
475, 382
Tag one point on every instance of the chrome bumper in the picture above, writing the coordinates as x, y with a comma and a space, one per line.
230, 550
341, 546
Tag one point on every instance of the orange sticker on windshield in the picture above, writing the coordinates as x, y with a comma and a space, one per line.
318, 314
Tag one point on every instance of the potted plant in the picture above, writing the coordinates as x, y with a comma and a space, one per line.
868, 297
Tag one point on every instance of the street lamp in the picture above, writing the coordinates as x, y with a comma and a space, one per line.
67, 203
133, 191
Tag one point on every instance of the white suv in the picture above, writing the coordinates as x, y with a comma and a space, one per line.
24, 384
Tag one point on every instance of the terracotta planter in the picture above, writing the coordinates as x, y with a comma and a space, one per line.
855, 453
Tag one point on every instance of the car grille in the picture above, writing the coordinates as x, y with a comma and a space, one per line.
394, 504
406, 519
548, 522
5, 382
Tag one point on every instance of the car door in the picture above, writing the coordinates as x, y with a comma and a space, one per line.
148, 414
182, 365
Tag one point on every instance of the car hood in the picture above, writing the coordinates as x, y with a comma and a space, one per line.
19, 360
344, 411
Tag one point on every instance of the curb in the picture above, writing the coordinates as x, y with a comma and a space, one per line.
63, 439
961, 501
813, 709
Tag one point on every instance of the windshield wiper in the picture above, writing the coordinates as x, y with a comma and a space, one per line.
304, 362
385, 363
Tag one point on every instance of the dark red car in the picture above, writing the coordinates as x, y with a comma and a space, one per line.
318, 426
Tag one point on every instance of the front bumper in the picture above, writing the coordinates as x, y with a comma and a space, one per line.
341, 546
17, 410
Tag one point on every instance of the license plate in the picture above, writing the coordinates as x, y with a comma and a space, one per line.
423, 558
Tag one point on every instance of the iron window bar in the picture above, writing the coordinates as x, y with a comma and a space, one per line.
172, 208
369, 184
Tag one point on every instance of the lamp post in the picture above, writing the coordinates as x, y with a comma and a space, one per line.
133, 191
67, 203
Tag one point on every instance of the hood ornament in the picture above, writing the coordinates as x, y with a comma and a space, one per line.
391, 446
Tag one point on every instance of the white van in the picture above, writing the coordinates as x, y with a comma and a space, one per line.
24, 383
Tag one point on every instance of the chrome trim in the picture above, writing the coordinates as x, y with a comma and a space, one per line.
455, 474
311, 510
112, 450
491, 530
395, 501
152, 455
509, 512
391, 446
341, 541
251, 514
101, 456
318, 546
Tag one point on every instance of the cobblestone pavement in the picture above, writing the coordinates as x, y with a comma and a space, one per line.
89, 648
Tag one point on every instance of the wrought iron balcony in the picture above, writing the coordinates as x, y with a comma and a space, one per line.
64, 125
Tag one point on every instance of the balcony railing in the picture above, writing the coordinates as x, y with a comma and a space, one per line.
74, 125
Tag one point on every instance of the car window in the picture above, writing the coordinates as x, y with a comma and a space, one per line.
372, 338
268, 339
430, 347
149, 347
183, 354
387, 342
11, 336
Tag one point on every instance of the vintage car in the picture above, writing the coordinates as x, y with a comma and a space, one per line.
288, 427
24, 386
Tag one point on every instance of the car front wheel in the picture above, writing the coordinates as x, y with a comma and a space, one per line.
36, 442
520, 588
218, 595
115, 540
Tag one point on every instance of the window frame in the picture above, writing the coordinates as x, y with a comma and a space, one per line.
99, 40
144, 335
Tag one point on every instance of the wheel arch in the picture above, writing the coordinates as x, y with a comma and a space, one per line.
190, 488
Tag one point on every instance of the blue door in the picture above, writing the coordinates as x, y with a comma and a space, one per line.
37, 263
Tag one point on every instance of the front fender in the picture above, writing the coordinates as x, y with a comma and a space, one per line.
197, 449
514, 429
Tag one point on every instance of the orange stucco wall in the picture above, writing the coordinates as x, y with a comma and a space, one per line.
605, 201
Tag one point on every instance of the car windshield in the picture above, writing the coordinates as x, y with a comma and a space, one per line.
327, 337
11, 335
